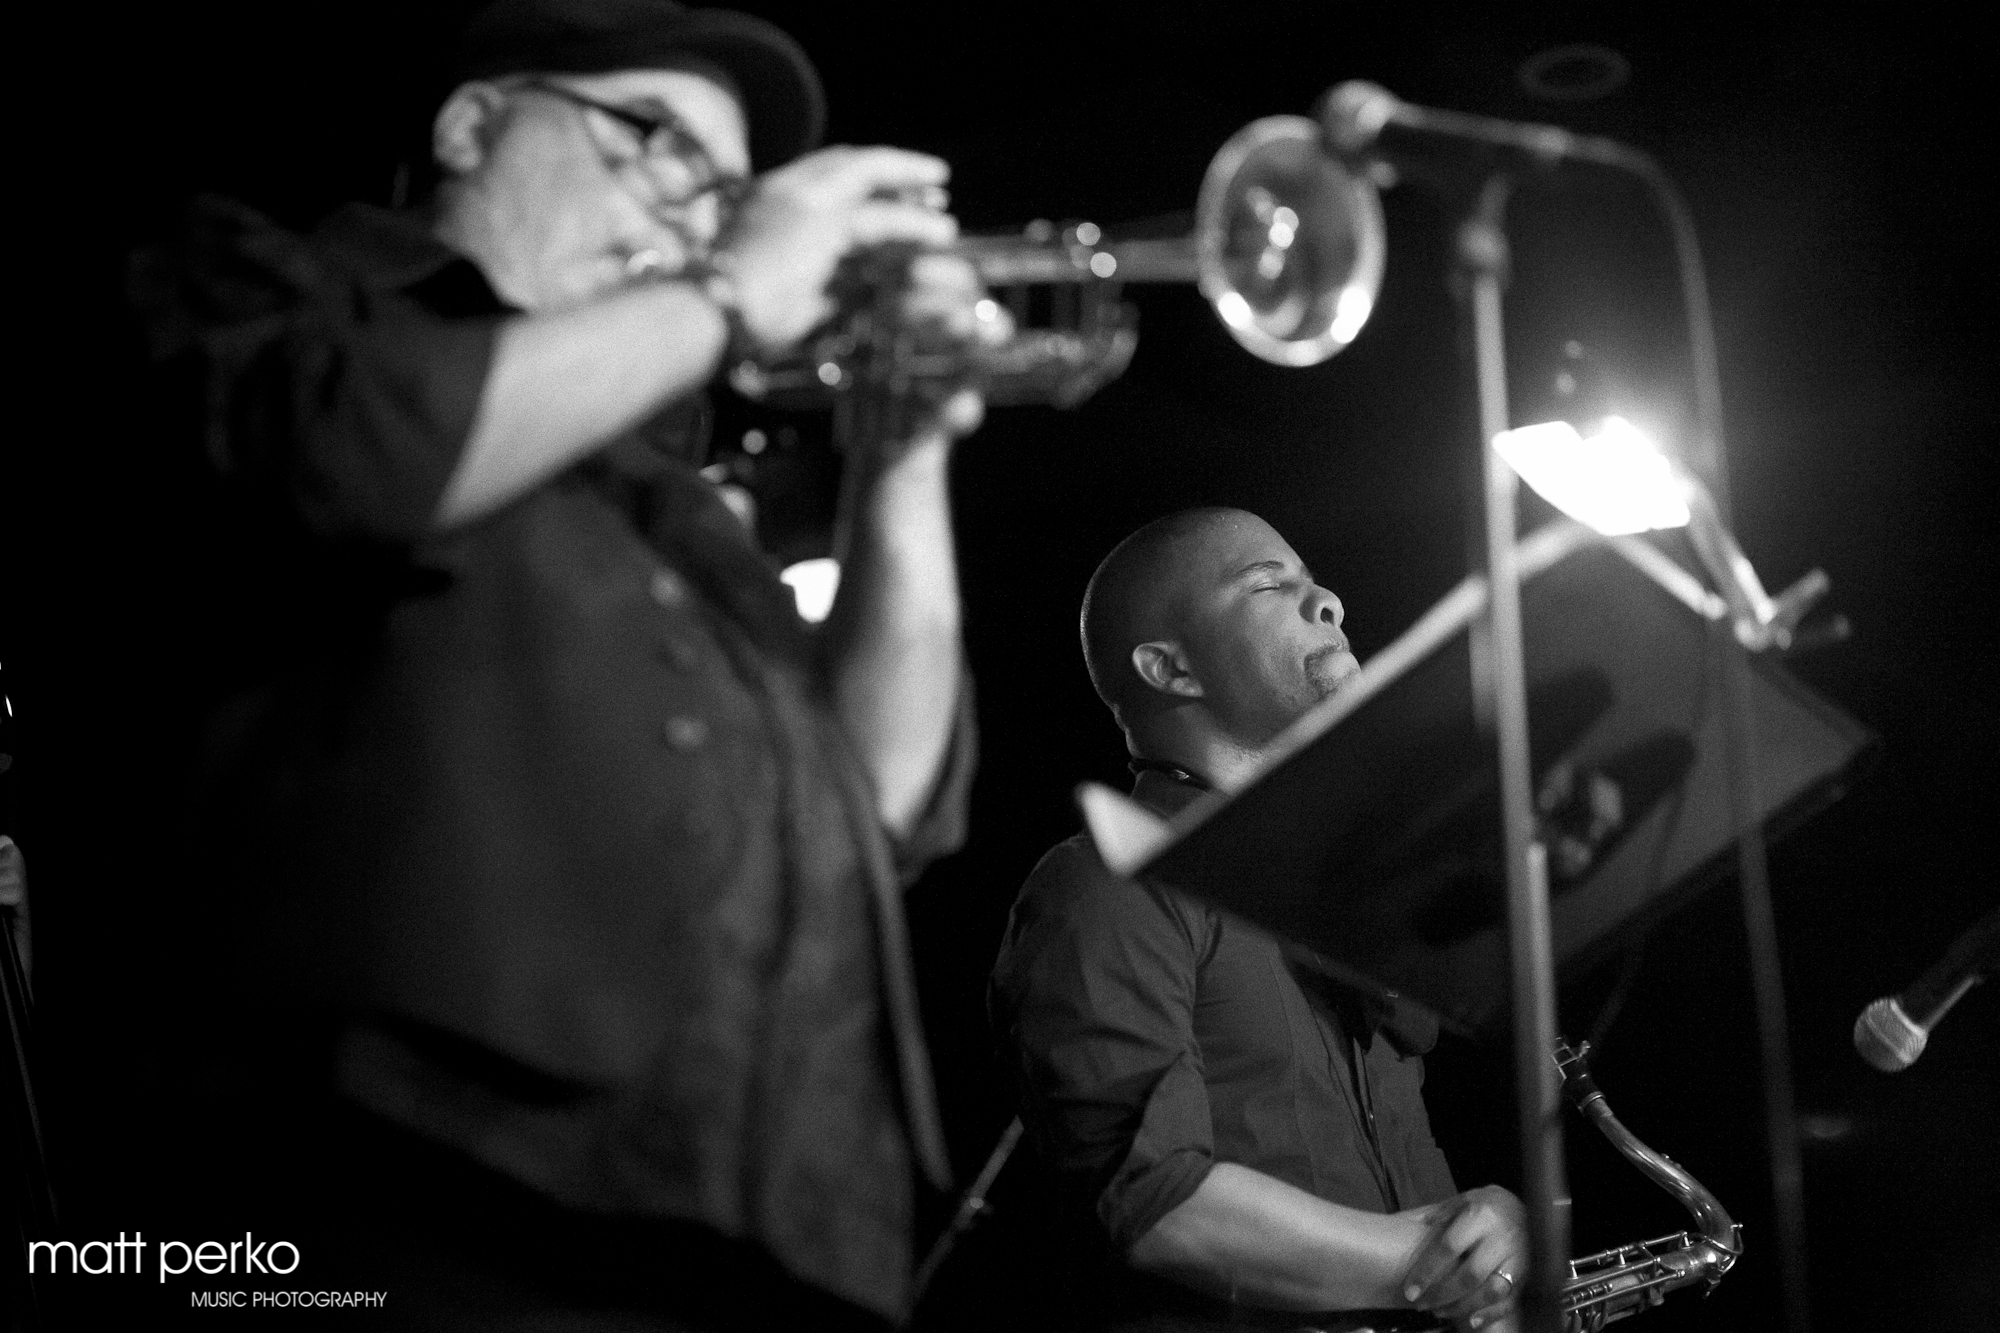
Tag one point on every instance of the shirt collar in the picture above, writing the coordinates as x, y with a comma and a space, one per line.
394, 251
1165, 789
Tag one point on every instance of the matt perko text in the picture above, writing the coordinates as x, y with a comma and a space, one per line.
96, 1257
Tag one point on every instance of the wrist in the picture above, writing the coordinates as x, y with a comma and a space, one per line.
901, 504
913, 469
714, 278
1408, 1233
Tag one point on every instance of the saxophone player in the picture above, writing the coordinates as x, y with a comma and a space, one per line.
1244, 1146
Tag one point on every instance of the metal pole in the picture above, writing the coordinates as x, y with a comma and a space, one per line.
1781, 1132
971, 1207
1710, 460
1482, 257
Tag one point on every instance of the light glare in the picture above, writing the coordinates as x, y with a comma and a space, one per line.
1350, 312
1617, 481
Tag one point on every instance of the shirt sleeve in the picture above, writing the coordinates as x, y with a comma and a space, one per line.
1094, 998
349, 401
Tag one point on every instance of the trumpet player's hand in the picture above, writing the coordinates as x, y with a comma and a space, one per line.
802, 219
1468, 1263
946, 309
893, 635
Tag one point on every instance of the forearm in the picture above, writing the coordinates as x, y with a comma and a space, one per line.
1255, 1240
893, 634
563, 383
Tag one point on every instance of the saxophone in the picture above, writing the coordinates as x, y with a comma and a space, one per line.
1630, 1278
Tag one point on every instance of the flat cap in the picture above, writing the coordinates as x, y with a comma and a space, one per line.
783, 99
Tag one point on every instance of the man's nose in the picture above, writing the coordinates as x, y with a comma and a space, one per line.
1322, 607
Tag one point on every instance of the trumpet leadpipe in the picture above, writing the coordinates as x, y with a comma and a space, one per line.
1017, 261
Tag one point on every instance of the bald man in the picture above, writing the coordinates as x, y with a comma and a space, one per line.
1244, 1141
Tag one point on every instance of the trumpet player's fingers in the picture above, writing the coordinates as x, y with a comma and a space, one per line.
934, 197
880, 170
845, 174
945, 410
802, 219
874, 221
890, 194
961, 413
945, 274
945, 290
933, 422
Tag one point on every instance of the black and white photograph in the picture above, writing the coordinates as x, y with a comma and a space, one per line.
971, 668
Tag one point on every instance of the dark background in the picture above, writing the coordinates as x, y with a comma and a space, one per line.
1839, 168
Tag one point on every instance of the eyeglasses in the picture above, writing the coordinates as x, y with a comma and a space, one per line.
671, 165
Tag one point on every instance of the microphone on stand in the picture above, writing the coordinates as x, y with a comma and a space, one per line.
1890, 1033
1360, 118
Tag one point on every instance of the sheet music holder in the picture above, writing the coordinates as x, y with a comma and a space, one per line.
1371, 836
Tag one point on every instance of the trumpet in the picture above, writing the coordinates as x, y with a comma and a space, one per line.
1288, 246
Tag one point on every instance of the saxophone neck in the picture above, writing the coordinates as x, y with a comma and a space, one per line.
1707, 1211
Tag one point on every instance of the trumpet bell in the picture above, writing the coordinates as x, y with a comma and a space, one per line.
1289, 243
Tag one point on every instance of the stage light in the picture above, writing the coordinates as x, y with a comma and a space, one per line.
1617, 481
1620, 483
813, 584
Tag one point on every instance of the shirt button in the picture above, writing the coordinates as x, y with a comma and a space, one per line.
669, 589
685, 733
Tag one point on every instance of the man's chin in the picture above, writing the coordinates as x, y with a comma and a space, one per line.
1332, 672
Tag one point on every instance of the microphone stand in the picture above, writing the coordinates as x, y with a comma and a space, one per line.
1354, 116
1480, 258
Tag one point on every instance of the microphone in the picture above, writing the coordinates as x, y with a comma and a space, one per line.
1890, 1034
1358, 117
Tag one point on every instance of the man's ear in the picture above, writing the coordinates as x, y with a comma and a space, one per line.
1164, 666
463, 128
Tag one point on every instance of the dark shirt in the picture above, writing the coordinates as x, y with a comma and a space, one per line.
1150, 1037
553, 806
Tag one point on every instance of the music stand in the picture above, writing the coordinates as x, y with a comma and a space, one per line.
1374, 830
